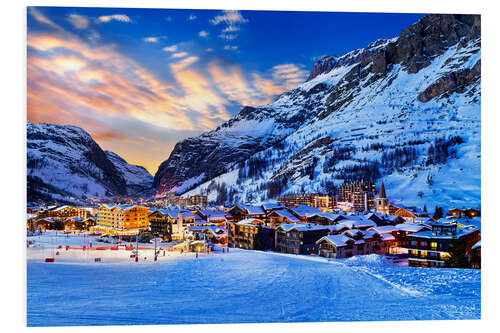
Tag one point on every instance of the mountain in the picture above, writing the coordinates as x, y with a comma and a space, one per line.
65, 164
405, 110
136, 177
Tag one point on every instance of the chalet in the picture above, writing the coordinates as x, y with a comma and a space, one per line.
79, 223
281, 216
159, 224
336, 246
393, 219
299, 238
212, 216
432, 248
405, 229
269, 207
303, 212
354, 242
241, 212
326, 218
410, 214
376, 217
358, 222
211, 234
251, 234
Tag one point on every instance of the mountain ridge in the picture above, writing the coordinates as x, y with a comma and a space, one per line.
429, 73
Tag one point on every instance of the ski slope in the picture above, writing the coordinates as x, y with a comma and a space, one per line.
245, 287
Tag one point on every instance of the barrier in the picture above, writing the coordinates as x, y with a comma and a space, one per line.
49, 259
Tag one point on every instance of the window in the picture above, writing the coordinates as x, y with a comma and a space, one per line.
434, 245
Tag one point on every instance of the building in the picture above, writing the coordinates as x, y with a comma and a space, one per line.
346, 190
122, 219
242, 212
435, 247
63, 212
354, 242
198, 200
382, 201
363, 201
251, 234
160, 224
299, 238
281, 216
313, 200
411, 214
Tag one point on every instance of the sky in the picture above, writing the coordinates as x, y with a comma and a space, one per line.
140, 80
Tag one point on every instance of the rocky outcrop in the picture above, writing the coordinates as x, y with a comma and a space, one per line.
452, 82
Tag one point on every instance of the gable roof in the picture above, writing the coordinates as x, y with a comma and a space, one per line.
336, 240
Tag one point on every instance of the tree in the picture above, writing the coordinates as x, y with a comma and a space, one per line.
438, 213
457, 258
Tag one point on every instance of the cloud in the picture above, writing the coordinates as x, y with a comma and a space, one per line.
229, 17
115, 17
231, 47
168, 19
172, 48
192, 17
209, 49
203, 34
182, 64
289, 75
40, 17
78, 21
231, 28
179, 55
151, 39
228, 36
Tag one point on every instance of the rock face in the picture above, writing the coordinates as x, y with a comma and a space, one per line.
65, 164
398, 97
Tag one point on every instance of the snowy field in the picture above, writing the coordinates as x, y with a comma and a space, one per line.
239, 287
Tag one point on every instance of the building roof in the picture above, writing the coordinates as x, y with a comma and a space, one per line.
306, 211
386, 229
461, 232
336, 240
477, 245
411, 227
270, 205
285, 213
250, 221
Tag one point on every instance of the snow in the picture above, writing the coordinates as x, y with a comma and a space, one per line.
243, 286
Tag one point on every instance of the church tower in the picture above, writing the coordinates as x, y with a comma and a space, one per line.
382, 201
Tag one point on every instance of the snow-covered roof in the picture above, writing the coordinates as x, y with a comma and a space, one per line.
285, 213
336, 240
334, 217
306, 211
384, 229
387, 237
270, 205
250, 221
410, 227
460, 233
308, 227
360, 221
477, 245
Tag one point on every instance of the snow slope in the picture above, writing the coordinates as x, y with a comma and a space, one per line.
245, 287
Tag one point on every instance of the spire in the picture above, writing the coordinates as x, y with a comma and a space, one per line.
381, 193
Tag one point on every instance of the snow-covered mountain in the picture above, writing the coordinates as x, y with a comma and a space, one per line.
137, 177
65, 164
405, 110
